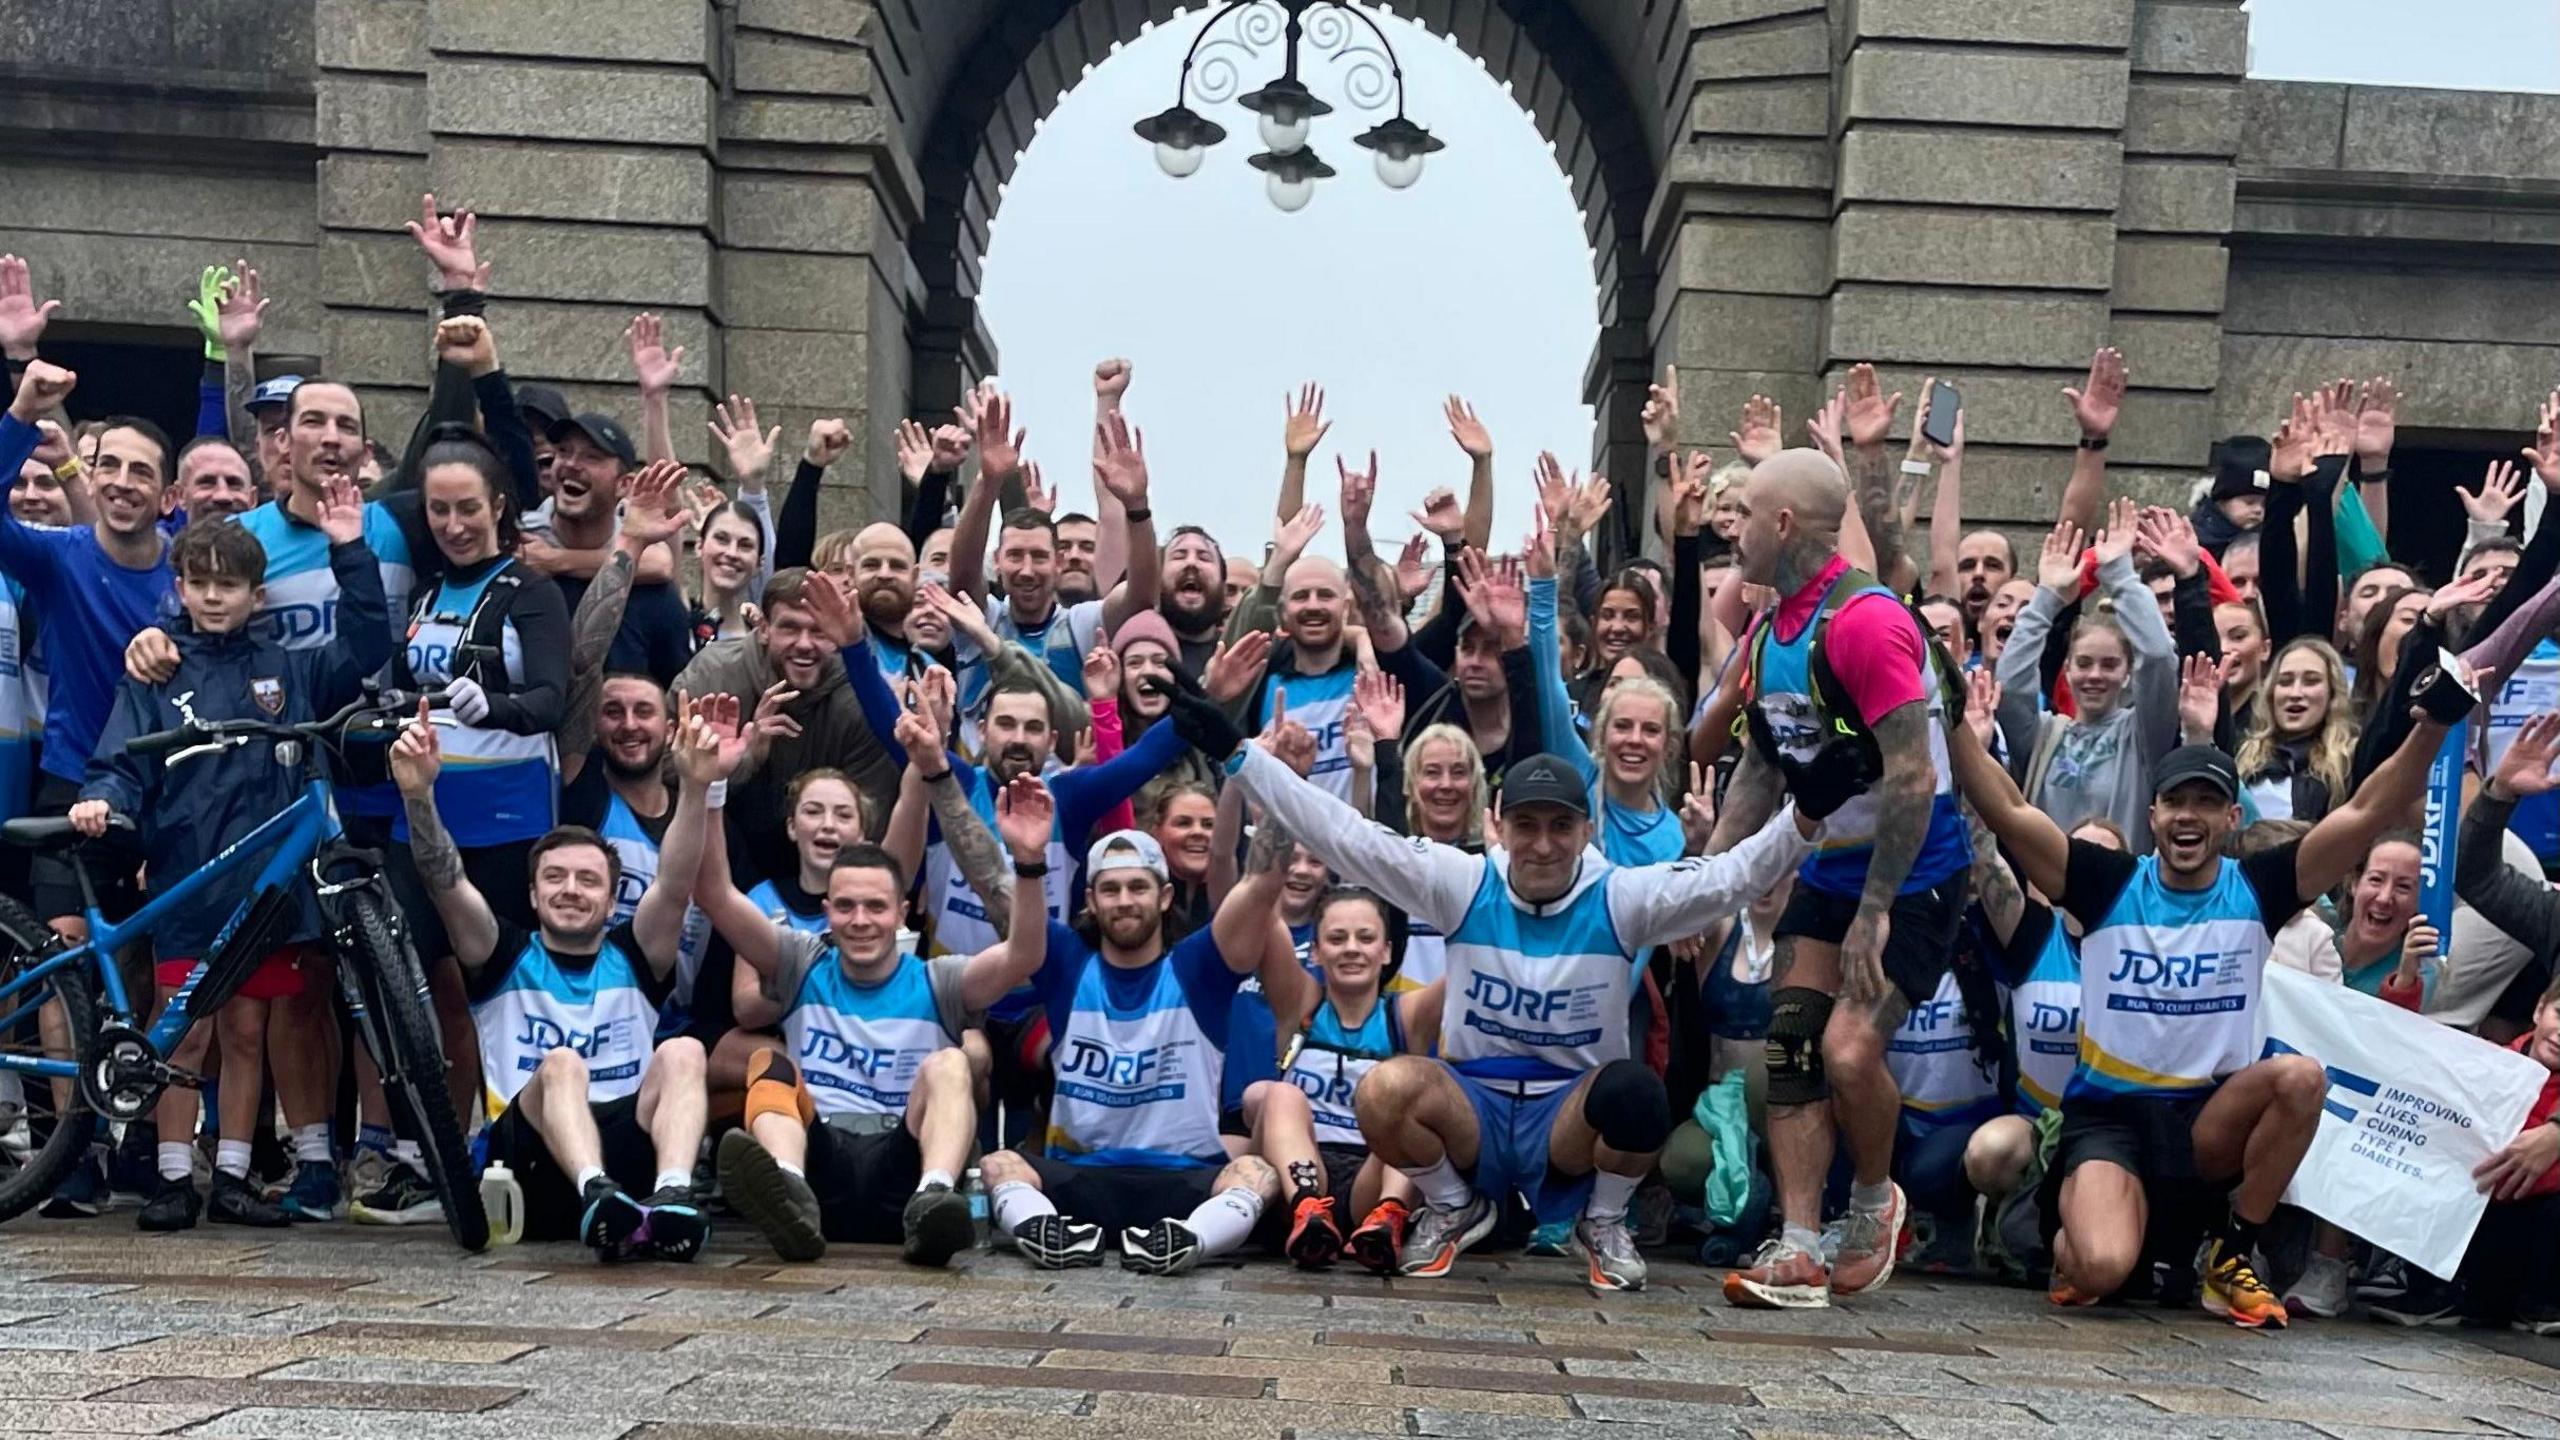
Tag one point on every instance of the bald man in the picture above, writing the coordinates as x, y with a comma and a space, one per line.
1984, 561
1313, 663
884, 583
1871, 926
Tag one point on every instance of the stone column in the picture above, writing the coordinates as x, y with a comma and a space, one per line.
1981, 164
817, 196
593, 183
371, 111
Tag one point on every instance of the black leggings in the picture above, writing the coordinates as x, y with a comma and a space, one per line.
2514, 1256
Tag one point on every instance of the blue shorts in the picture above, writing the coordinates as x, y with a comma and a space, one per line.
1511, 1155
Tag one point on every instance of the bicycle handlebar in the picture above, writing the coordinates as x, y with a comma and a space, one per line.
378, 709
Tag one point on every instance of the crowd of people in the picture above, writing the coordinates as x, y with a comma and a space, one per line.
1825, 900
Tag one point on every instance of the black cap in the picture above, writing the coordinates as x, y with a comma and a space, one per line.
542, 405
2197, 762
2240, 466
1546, 780
602, 429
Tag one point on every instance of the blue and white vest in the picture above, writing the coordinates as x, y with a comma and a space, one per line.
599, 1010
1137, 1072
2044, 1022
767, 899
1322, 703
302, 604
861, 1046
959, 917
2169, 986
21, 728
498, 787
1932, 1058
1536, 1001
1327, 1063
633, 845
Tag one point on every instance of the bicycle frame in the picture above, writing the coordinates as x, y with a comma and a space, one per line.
289, 841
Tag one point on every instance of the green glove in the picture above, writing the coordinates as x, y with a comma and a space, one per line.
207, 308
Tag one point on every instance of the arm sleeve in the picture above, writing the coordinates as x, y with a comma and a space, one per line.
759, 503
1555, 706
364, 628
1657, 904
508, 435
2274, 875
933, 496
795, 530
542, 631
1688, 599
2280, 565
871, 691
1420, 877
2092, 879
1526, 687
2012, 962
2387, 724
2500, 650
25, 551
2483, 880
1421, 678
1086, 794
1386, 787
1585, 575
2320, 568
1437, 638
450, 401
120, 778
2191, 599
2155, 658
2534, 570
213, 415
1108, 743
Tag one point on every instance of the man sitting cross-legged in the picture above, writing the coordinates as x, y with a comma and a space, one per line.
857, 1129
1140, 1015
566, 1012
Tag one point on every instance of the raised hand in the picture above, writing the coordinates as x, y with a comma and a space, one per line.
1379, 699
243, 312
2499, 491
53, 447
950, 447
1120, 460
1359, 493
448, 241
1441, 516
655, 511
1538, 555
999, 444
1035, 495
2116, 541
2199, 697
699, 751
1413, 574
416, 758
828, 440
2473, 589
1689, 494
1555, 490
341, 511
921, 737
1494, 596
43, 387
1590, 505
1359, 742
1466, 429
2170, 536
915, 450
2526, 767
749, 448
2544, 452
1661, 415
1982, 704
2289, 457
651, 360
965, 617
22, 318
2333, 415
1305, 427
1764, 429
465, 340
839, 619
2418, 949
936, 692
1290, 539
2058, 568
1111, 381
2100, 398
207, 308
2377, 422
1102, 672
1826, 425
772, 718
1870, 414
1236, 666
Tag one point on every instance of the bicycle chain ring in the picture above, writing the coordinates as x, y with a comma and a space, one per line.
124, 1075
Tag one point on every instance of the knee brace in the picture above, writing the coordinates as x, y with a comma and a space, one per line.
1628, 1106
774, 1088
1797, 1018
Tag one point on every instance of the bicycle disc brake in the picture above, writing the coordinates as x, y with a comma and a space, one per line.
125, 1076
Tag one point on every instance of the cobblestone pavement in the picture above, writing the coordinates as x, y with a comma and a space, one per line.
342, 1332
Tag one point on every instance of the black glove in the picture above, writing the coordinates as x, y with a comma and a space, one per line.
2445, 694
1838, 773
1196, 717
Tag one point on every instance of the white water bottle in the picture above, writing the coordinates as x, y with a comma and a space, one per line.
503, 1199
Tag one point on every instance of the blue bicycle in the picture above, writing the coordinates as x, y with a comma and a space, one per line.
68, 1033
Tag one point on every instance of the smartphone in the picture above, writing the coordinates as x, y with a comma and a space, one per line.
1939, 425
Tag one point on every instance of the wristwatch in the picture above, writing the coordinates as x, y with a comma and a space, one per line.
2093, 442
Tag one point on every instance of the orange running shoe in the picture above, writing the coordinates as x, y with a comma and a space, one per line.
1868, 1246
1314, 1239
1380, 1239
1783, 1276
2233, 1291
2066, 1294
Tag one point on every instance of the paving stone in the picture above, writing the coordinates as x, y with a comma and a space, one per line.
260, 1423
1399, 1397
1339, 1365
1246, 1417
568, 1336
314, 1395
1082, 1340
1560, 1352
1229, 1386
49, 1417
1577, 1385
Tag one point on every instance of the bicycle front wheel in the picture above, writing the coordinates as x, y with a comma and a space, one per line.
45, 1126
404, 1019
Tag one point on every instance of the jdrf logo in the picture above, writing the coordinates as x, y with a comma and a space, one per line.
1326, 1093
1100, 1062
1928, 1017
1504, 998
835, 1052
2177, 972
633, 884
2044, 1019
431, 659
541, 1034
303, 623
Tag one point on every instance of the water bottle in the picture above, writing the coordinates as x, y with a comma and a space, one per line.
976, 1189
503, 1199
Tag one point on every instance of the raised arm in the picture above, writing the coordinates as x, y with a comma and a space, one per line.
1657, 904
2377, 410
658, 921
653, 516
973, 846
1026, 815
1946, 507
1301, 431
1423, 878
1120, 476
2154, 682
1867, 422
2040, 850
1472, 437
999, 456
2482, 878
750, 932
1247, 926
2021, 664
2388, 797
2095, 407
470, 926
657, 368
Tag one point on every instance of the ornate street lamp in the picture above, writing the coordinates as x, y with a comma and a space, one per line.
1287, 108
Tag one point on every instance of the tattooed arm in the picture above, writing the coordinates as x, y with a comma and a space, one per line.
1873, 481
1902, 822
470, 926
1749, 801
1995, 886
1285, 983
979, 854
591, 633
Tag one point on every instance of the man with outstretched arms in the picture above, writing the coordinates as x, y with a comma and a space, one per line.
859, 1129
1534, 1089
1841, 669
589, 1109
2170, 1101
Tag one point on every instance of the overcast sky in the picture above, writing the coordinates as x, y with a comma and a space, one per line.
1476, 281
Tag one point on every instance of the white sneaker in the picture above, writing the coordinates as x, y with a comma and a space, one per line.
2322, 1290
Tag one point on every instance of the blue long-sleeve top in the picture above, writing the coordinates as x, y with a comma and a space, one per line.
89, 605
1627, 836
213, 414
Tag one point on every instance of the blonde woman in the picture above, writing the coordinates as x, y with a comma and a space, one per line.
1445, 799
2298, 748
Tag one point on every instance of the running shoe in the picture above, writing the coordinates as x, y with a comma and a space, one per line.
1168, 1247
1942, 1249
1552, 1238
314, 1194
2233, 1290
676, 1227
1867, 1246
936, 1225
1783, 1276
83, 1194
1054, 1242
2068, 1295
2321, 1291
368, 1169
1609, 1247
2386, 1277
1379, 1242
612, 1221
1441, 1234
778, 1203
2537, 1317
1315, 1239
237, 1202
2429, 1303
404, 1198
173, 1206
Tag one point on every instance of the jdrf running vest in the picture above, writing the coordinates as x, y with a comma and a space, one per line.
1327, 1064
541, 1002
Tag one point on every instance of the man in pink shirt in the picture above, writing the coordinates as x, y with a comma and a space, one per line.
1872, 923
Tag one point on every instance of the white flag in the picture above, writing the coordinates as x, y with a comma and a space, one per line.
2412, 1106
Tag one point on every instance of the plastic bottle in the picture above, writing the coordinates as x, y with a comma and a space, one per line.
976, 1189
503, 1198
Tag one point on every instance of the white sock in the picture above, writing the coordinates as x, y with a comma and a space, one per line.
1224, 1220
590, 1174
1609, 1195
1440, 1183
1871, 1199
1018, 1200
177, 1160
675, 1179
406, 1152
790, 1169
231, 1157
936, 1177
1807, 1240
311, 1143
